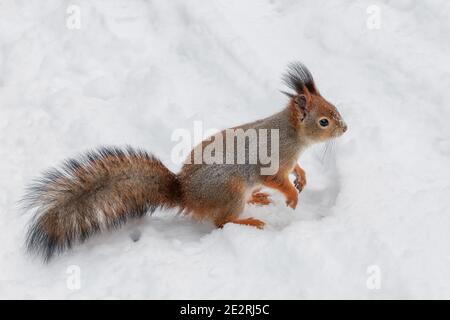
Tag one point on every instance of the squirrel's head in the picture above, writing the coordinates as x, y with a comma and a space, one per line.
314, 117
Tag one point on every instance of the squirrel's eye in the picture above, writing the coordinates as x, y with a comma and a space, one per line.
323, 122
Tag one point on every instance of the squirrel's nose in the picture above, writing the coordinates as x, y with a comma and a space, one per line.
344, 127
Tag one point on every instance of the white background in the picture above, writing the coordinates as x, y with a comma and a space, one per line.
137, 70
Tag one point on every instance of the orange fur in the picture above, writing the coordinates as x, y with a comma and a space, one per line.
282, 183
260, 198
300, 176
245, 221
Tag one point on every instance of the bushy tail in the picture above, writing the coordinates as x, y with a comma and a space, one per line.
101, 190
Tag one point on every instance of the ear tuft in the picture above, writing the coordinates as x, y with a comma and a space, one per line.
299, 78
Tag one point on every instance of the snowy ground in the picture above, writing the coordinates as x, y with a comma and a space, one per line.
376, 206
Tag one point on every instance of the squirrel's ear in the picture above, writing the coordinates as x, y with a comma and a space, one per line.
301, 101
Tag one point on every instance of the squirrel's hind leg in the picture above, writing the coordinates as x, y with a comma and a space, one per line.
260, 198
232, 197
244, 221
231, 215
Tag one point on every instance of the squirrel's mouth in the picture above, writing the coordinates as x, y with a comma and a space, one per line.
342, 128
339, 131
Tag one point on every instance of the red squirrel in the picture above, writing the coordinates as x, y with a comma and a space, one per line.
105, 188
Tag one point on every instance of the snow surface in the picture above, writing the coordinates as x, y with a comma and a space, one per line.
137, 70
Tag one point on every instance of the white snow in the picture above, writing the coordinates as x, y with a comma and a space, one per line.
138, 70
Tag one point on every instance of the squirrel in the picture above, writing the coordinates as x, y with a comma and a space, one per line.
105, 188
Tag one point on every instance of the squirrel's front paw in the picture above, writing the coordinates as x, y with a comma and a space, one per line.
292, 201
300, 179
298, 185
